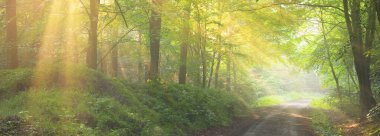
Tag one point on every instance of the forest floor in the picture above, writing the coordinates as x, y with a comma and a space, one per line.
289, 119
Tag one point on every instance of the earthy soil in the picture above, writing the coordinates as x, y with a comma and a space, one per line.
288, 119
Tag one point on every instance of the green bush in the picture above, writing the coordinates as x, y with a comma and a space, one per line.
188, 108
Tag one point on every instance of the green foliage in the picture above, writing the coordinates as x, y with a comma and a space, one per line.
111, 107
321, 104
113, 118
374, 113
320, 119
189, 108
12, 81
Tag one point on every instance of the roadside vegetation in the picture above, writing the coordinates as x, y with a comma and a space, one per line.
104, 106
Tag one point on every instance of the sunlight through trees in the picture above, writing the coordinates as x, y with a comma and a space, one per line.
214, 54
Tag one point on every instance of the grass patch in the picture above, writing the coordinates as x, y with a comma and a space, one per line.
321, 104
322, 124
269, 101
320, 119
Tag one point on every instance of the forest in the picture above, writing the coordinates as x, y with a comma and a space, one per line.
190, 67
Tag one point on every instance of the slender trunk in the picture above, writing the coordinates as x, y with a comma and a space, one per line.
197, 77
217, 71
185, 44
103, 62
155, 36
331, 65
115, 61
234, 83
203, 56
204, 68
11, 36
140, 61
202, 48
350, 74
336, 79
93, 36
211, 69
228, 84
349, 83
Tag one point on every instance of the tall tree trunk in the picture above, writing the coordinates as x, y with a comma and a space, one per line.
202, 45
204, 66
228, 84
217, 71
361, 61
155, 36
185, 44
93, 35
204, 54
367, 96
11, 36
202, 48
234, 77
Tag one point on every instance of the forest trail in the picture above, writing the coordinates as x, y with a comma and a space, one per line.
289, 119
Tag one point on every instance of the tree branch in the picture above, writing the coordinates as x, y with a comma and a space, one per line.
115, 44
299, 4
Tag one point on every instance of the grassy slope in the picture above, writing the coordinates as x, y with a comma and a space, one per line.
90, 103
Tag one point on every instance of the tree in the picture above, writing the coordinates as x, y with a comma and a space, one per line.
360, 47
11, 36
377, 2
185, 44
329, 58
155, 36
219, 59
93, 35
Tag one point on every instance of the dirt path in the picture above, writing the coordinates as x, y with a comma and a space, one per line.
288, 119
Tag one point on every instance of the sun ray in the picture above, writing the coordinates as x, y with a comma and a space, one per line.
48, 50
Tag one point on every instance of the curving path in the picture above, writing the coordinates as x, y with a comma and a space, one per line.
288, 119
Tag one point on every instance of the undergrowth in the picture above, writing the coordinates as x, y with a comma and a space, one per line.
85, 102
321, 119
